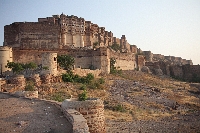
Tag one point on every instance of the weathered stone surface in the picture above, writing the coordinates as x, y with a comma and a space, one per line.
31, 94
36, 79
84, 72
27, 94
92, 110
18, 80
46, 78
77, 120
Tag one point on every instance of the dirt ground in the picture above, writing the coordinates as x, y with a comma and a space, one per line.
22, 115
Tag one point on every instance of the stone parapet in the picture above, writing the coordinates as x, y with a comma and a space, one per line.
46, 78
77, 120
18, 80
92, 110
36, 79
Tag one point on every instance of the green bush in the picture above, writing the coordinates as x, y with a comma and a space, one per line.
70, 77
67, 77
58, 96
29, 86
89, 78
116, 47
83, 87
113, 69
94, 85
95, 44
66, 62
101, 80
82, 96
119, 108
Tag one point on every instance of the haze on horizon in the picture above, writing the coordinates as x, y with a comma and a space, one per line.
167, 27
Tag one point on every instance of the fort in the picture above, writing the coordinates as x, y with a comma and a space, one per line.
88, 43
92, 48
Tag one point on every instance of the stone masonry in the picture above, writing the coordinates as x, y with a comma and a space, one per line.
92, 110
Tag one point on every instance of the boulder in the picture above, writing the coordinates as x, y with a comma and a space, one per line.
145, 69
158, 72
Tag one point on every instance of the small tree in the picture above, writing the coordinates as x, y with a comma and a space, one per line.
45, 68
29, 66
113, 69
116, 47
82, 96
29, 86
66, 62
16, 67
89, 77
95, 44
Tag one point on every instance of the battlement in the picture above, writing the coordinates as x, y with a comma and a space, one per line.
149, 56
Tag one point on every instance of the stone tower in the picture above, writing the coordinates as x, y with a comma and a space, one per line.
49, 60
72, 30
5, 55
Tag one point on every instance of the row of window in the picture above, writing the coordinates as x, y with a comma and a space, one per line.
68, 19
72, 25
74, 30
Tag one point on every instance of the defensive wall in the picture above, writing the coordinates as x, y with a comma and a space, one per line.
149, 56
124, 61
98, 59
186, 72
32, 35
191, 72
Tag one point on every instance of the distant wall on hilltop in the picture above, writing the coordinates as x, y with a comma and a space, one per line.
191, 72
186, 72
125, 61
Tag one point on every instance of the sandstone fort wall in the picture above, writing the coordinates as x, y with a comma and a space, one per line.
125, 61
32, 35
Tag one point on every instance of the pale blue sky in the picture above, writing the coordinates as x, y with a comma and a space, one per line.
168, 27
